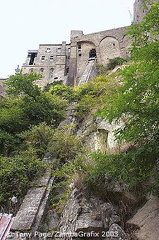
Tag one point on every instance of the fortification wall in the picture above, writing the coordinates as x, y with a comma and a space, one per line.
102, 45
140, 9
67, 62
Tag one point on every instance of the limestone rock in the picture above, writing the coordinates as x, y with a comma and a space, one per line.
82, 214
116, 233
147, 220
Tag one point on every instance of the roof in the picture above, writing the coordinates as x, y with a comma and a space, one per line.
32, 51
6, 221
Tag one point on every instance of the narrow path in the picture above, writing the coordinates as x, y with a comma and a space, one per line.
89, 73
33, 206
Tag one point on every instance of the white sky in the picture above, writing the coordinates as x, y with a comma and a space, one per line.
24, 24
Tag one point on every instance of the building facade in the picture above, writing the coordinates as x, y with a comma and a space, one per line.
70, 63
50, 60
67, 62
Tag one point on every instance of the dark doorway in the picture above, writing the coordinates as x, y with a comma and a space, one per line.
32, 57
92, 53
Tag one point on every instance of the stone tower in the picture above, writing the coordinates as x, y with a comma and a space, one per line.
140, 9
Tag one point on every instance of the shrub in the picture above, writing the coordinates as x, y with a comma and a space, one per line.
38, 138
115, 62
49, 85
103, 70
16, 174
63, 91
64, 145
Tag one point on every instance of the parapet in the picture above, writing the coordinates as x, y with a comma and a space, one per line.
76, 33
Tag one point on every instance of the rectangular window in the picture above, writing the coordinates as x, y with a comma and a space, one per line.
51, 58
42, 58
79, 46
59, 50
48, 50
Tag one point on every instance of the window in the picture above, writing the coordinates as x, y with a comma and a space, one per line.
32, 57
31, 70
41, 70
67, 70
42, 58
69, 50
59, 50
48, 50
79, 46
51, 58
51, 72
79, 54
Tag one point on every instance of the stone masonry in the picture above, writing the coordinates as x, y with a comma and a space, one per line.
69, 62
32, 209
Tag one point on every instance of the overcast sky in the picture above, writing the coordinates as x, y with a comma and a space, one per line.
24, 24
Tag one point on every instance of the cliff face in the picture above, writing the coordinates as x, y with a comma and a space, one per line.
88, 214
90, 217
108, 211
105, 213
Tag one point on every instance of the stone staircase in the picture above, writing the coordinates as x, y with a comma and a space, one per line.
31, 211
89, 73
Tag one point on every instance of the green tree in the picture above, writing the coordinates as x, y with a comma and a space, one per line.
37, 106
16, 174
37, 138
137, 100
20, 84
26, 105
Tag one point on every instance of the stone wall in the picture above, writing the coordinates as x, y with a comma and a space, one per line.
67, 62
2, 88
105, 45
50, 60
140, 9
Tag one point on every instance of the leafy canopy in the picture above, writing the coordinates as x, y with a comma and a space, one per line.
26, 105
137, 104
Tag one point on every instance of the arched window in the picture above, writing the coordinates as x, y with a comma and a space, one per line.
51, 72
31, 70
41, 70
92, 53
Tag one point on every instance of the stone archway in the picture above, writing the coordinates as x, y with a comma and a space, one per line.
109, 48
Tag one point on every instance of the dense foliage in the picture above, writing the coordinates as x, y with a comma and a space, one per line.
136, 104
26, 106
133, 99
16, 175
27, 119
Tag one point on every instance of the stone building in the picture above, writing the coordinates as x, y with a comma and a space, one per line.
94, 48
75, 63
2, 88
50, 60
140, 9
